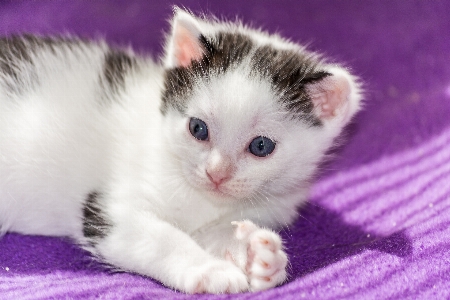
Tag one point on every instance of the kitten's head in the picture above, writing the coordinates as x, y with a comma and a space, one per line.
249, 114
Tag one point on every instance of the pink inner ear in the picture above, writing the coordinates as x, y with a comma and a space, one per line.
187, 47
330, 99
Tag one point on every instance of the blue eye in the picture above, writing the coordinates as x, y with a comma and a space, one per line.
261, 146
198, 129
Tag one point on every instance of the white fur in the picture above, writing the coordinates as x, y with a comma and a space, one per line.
58, 143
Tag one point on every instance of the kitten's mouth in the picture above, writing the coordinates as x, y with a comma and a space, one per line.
218, 189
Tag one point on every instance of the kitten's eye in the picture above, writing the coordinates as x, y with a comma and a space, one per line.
261, 146
198, 129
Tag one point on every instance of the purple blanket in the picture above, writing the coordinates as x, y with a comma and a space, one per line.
377, 225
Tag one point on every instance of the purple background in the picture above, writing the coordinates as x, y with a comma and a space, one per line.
378, 222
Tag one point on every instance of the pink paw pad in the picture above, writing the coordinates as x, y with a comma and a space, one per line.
266, 260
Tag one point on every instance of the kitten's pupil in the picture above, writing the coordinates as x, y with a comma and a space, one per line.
198, 129
261, 146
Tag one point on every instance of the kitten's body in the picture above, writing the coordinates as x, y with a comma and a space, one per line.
95, 145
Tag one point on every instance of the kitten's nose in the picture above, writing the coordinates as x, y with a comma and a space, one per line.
219, 168
217, 177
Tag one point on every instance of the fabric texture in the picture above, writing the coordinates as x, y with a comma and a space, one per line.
377, 224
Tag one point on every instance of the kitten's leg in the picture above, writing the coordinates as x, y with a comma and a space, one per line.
257, 251
140, 242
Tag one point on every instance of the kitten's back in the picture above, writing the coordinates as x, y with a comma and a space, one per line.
56, 98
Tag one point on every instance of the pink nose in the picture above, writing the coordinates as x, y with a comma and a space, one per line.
218, 177
219, 168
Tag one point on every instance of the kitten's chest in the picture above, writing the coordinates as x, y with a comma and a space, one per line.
191, 211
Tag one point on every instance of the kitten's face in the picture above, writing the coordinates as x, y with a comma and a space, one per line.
234, 141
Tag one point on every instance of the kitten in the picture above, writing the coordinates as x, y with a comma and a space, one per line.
180, 170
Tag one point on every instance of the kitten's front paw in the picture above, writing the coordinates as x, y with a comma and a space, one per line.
266, 260
215, 277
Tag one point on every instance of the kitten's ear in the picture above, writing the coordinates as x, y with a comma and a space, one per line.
183, 44
337, 97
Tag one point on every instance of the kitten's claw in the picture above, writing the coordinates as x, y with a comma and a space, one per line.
266, 260
215, 277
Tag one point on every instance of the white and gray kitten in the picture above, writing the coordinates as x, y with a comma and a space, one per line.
177, 171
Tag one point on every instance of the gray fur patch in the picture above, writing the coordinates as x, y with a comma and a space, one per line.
221, 53
95, 225
12, 51
116, 66
289, 73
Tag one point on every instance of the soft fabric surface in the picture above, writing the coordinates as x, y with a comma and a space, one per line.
377, 225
